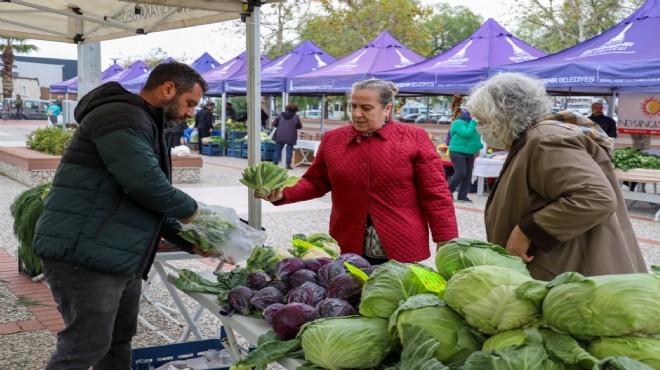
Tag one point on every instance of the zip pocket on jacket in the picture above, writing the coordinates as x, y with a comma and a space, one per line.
107, 218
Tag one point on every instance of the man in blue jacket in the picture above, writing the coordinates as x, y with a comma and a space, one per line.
110, 203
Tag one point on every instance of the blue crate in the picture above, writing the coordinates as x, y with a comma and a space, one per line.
213, 150
160, 355
233, 135
244, 149
216, 133
234, 149
268, 151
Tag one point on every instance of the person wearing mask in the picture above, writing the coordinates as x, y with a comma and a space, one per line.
286, 126
556, 203
465, 143
111, 201
606, 123
387, 182
204, 123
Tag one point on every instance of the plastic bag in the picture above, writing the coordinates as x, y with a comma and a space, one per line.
220, 231
181, 151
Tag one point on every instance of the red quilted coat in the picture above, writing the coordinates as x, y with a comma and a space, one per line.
395, 176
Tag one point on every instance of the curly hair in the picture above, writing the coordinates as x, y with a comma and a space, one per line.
510, 102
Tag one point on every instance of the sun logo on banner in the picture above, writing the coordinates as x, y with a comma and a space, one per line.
651, 107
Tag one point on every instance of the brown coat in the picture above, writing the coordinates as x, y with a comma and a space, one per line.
559, 186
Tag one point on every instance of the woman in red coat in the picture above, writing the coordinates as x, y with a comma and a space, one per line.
387, 182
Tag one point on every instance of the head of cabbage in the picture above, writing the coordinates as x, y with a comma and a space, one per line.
494, 299
346, 342
643, 349
461, 253
427, 313
604, 306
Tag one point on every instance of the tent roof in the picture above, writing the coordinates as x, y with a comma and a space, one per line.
136, 84
71, 85
136, 69
466, 63
626, 55
99, 20
204, 63
380, 54
233, 67
304, 58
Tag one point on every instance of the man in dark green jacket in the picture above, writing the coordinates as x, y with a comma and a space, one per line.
110, 203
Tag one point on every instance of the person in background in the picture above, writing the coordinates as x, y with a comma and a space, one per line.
58, 101
19, 107
52, 112
464, 144
204, 123
556, 203
606, 123
230, 112
175, 133
111, 201
287, 125
387, 182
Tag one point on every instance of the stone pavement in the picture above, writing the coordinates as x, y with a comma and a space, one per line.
29, 318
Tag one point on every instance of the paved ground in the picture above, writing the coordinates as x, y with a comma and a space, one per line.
29, 319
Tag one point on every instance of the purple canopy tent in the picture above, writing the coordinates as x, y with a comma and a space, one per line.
233, 67
380, 54
70, 86
204, 63
136, 84
624, 58
465, 64
135, 70
306, 57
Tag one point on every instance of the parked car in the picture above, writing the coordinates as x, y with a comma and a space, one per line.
434, 118
409, 118
312, 114
32, 109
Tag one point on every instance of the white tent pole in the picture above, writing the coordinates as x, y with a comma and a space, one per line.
224, 113
89, 67
254, 106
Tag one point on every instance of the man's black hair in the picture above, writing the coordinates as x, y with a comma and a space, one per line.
183, 76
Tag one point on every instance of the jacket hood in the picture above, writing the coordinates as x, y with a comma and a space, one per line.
288, 114
579, 123
111, 92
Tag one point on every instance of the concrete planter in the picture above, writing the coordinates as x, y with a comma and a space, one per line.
33, 168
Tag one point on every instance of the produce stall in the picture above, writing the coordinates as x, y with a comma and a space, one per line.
307, 149
486, 166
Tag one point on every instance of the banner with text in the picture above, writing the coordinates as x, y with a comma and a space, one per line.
639, 114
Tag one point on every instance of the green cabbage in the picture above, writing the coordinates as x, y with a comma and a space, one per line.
642, 349
510, 338
390, 284
621, 363
609, 305
427, 313
494, 299
352, 342
461, 253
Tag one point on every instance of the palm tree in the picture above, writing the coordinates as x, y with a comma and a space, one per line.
9, 45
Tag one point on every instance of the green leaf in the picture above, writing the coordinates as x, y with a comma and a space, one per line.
267, 352
192, 282
419, 353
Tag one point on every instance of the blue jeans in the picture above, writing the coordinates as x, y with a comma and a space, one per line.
100, 316
278, 153
462, 177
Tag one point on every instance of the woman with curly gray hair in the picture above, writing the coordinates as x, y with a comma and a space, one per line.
557, 202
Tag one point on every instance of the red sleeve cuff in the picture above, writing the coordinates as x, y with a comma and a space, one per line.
537, 235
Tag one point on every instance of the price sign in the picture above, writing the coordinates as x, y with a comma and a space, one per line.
432, 281
359, 274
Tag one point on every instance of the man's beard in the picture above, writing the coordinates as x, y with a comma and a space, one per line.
169, 111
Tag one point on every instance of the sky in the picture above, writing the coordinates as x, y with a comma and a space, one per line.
189, 43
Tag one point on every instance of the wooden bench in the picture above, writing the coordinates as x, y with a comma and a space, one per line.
651, 177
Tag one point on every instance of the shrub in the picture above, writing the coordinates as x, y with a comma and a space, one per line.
50, 140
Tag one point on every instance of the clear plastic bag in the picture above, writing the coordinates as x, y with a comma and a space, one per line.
220, 231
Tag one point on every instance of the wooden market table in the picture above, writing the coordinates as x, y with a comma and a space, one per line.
649, 177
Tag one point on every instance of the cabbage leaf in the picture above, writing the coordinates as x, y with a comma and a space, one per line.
643, 349
460, 253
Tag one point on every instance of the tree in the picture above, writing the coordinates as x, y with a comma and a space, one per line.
152, 58
347, 25
9, 45
280, 21
554, 25
451, 24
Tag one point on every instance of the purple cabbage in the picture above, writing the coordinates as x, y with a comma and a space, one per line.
302, 276
330, 271
290, 318
334, 307
354, 259
265, 297
287, 267
282, 286
239, 299
308, 293
258, 280
345, 287
312, 264
271, 311
324, 260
